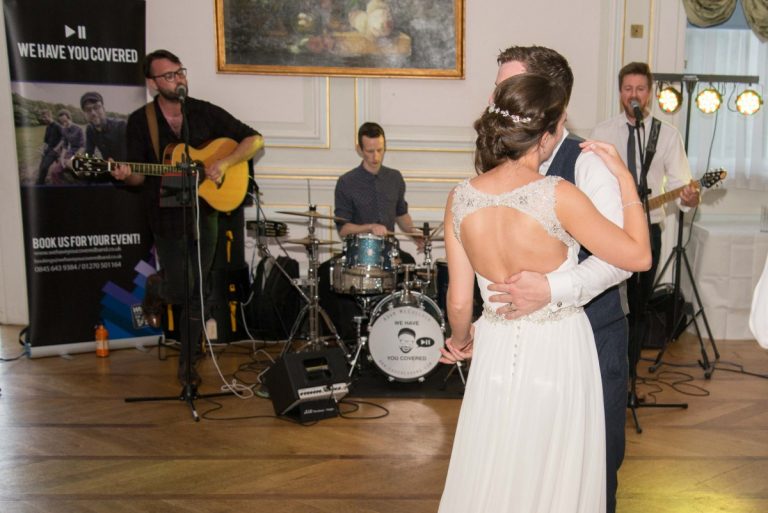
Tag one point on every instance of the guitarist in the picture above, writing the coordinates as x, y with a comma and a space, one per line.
150, 129
668, 163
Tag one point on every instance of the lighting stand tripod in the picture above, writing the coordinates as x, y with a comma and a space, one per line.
639, 305
678, 313
679, 255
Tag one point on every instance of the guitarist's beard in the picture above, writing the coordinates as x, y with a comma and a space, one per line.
168, 95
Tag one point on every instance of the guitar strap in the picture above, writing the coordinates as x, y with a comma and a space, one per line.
650, 148
169, 190
153, 130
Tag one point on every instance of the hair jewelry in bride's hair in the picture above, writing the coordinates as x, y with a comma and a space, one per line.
493, 109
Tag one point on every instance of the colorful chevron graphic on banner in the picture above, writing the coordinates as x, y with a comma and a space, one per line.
121, 309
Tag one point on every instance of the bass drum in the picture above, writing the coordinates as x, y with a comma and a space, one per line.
406, 334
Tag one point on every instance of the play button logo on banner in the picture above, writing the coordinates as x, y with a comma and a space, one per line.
69, 31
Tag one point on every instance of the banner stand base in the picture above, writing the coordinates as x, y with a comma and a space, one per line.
65, 350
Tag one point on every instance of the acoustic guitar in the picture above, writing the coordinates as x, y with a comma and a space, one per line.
224, 196
709, 179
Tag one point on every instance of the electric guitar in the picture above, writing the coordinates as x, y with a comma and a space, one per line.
224, 196
709, 179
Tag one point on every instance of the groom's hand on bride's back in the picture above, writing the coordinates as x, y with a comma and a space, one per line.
523, 293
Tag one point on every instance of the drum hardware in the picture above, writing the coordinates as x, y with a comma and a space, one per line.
307, 241
312, 311
361, 341
267, 228
427, 272
313, 214
456, 367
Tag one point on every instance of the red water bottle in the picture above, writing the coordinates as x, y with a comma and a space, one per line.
102, 341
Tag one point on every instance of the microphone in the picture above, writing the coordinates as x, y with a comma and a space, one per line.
181, 92
635, 108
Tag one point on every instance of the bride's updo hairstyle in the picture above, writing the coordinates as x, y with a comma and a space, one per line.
524, 108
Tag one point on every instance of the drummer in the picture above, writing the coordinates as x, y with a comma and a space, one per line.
372, 196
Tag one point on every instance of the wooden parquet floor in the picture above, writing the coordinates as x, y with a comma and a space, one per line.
69, 443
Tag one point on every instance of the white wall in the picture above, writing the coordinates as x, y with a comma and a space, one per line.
310, 123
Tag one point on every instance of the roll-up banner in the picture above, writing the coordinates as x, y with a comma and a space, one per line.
75, 71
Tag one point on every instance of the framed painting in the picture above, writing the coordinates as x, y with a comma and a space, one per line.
384, 38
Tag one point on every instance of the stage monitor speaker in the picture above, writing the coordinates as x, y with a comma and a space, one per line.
307, 386
661, 324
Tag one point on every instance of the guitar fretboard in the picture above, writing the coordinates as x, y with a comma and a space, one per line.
151, 169
659, 200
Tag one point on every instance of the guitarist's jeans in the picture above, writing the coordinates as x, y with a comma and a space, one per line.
171, 253
646, 280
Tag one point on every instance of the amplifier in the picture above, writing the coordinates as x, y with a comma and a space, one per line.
308, 385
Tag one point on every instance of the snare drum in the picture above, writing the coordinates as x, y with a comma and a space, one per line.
406, 334
360, 281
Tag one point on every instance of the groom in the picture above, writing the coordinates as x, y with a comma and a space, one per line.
593, 282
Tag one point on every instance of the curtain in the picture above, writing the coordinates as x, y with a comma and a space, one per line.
705, 13
756, 12
728, 139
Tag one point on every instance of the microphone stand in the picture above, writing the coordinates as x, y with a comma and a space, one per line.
189, 171
639, 305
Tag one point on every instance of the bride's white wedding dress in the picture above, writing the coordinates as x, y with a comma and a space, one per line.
530, 436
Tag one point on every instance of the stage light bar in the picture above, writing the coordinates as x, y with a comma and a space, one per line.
709, 100
670, 100
749, 102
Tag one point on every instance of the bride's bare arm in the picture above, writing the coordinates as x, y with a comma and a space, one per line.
460, 286
628, 248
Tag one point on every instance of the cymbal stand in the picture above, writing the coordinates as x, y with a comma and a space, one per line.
427, 247
312, 311
429, 264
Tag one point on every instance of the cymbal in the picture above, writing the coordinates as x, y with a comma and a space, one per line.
306, 241
312, 213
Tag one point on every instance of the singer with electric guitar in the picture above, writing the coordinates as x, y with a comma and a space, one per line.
645, 142
174, 119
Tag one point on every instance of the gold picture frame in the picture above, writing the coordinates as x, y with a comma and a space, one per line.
358, 38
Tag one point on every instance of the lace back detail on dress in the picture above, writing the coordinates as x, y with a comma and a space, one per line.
536, 199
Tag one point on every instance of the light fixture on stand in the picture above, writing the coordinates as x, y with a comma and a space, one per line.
670, 99
678, 255
709, 100
748, 102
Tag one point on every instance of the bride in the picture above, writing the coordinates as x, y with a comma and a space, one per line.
530, 436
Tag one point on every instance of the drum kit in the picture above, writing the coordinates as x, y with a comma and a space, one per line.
402, 323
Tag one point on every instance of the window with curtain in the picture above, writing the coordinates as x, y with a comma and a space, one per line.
728, 139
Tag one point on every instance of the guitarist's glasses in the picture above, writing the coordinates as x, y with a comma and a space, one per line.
171, 75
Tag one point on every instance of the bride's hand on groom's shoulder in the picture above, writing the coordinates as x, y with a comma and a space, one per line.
608, 153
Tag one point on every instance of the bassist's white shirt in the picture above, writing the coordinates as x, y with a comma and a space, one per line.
669, 167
